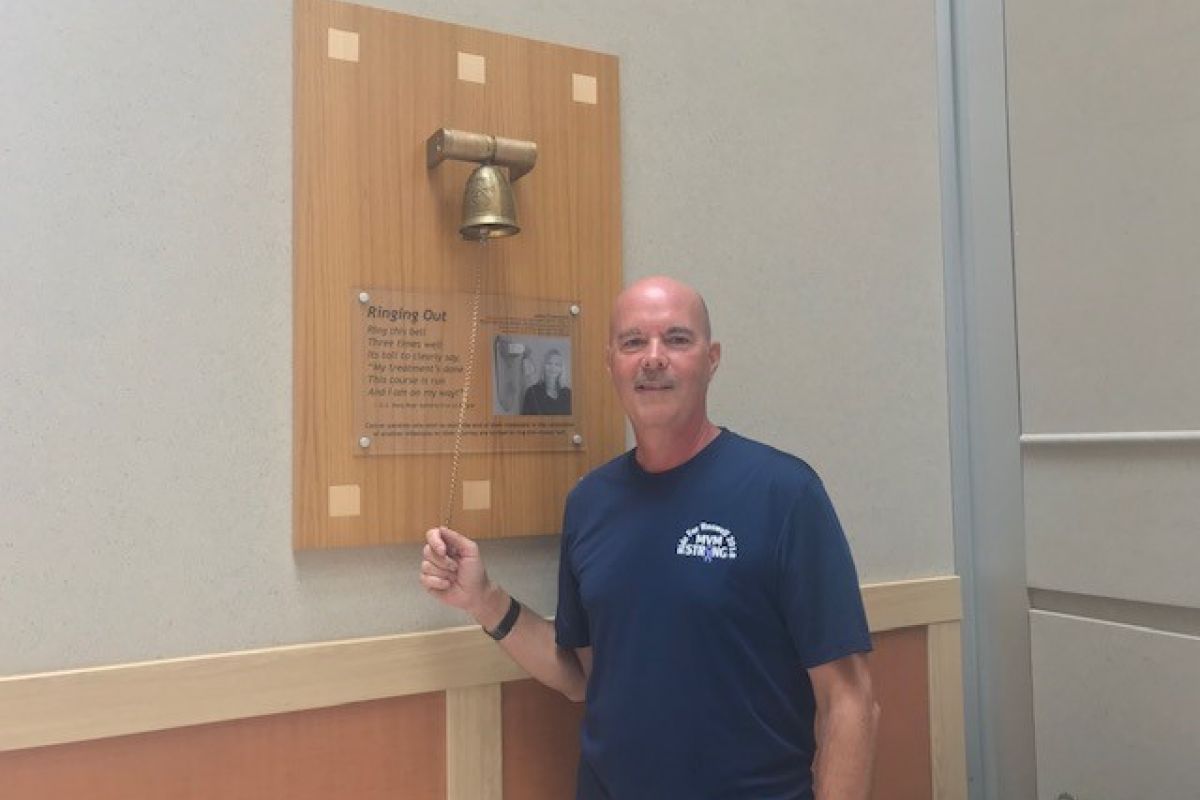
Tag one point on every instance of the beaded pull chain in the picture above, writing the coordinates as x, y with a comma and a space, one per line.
448, 516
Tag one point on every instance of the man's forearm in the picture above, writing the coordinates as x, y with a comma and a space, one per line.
531, 644
846, 751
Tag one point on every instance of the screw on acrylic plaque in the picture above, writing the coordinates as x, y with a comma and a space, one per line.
575, 309
363, 297
576, 439
364, 442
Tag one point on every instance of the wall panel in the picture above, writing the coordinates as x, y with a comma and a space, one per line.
899, 666
1114, 520
380, 750
541, 742
1104, 117
1105, 175
1115, 709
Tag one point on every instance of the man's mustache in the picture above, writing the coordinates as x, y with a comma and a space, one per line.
643, 382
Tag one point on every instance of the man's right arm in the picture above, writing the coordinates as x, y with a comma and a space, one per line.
453, 572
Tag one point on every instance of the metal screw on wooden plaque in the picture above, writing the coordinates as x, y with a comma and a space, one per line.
364, 442
363, 297
576, 439
574, 309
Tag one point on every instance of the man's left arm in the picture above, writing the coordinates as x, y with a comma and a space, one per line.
847, 720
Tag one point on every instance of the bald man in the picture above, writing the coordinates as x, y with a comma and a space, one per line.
708, 612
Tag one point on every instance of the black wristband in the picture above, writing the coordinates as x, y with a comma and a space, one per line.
506, 624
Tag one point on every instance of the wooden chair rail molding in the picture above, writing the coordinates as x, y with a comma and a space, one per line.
86, 704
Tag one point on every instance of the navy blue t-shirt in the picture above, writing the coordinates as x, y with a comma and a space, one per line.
704, 592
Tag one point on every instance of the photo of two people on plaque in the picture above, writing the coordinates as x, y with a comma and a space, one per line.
531, 375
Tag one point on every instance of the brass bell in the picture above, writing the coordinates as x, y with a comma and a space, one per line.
489, 210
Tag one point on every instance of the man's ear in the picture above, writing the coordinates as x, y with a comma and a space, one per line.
714, 358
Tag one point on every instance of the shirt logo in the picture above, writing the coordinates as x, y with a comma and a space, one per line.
707, 541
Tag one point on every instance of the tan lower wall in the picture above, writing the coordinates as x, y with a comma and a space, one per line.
379, 750
899, 670
519, 742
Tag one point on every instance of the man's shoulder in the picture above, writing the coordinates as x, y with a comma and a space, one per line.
603, 478
780, 467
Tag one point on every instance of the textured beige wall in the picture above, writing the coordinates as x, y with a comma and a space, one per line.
781, 155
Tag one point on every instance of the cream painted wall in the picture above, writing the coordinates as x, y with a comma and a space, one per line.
781, 155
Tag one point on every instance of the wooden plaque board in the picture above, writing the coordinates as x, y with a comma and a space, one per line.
370, 87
